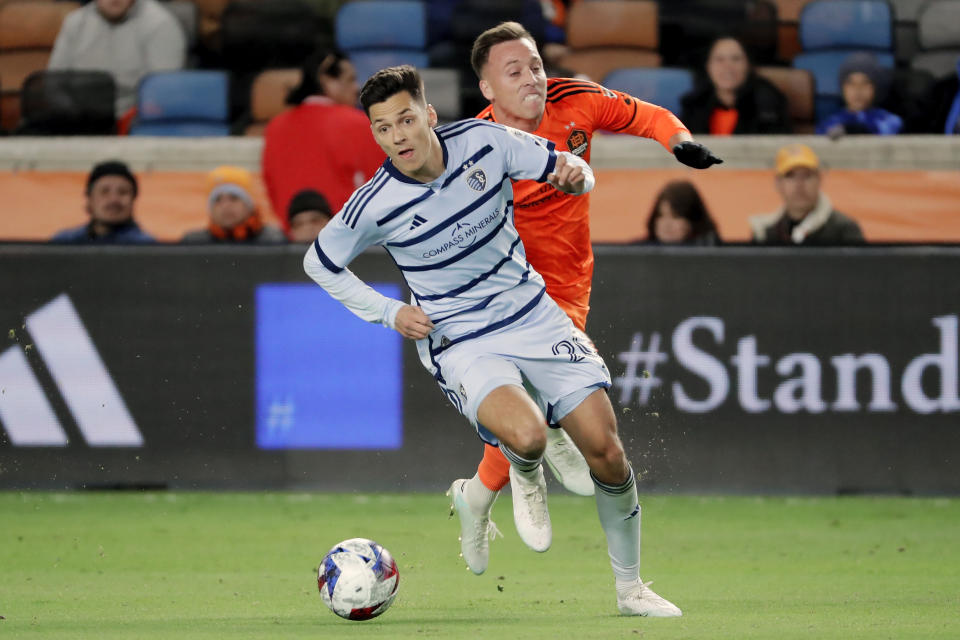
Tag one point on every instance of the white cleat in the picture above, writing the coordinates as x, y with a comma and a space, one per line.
476, 532
567, 463
530, 513
641, 601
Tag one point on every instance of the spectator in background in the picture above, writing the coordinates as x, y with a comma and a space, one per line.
324, 142
732, 98
128, 38
807, 217
111, 191
308, 213
234, 216
679, 216
864, 83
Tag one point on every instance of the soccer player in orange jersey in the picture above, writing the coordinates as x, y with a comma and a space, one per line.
555, 229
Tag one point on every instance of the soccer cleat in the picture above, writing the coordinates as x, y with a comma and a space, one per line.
530, 513
639, 600
567, 463
476, 532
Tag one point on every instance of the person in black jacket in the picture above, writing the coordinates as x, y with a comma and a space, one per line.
732, 98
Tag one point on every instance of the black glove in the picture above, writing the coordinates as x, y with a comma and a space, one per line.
694, 154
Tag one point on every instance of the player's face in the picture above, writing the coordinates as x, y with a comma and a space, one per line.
403, 127
800, 190
111, 200
858, 91
306, 225
228, 210
670, 226
514, 81
727, 65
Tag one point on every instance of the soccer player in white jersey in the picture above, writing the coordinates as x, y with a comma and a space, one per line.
442, 207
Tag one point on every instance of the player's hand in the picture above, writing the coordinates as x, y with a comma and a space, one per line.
566, 177
412, 322
694, 154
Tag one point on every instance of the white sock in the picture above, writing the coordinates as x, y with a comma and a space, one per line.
478, 496
619, 514
525, 467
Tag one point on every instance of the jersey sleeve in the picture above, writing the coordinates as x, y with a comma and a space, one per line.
527, 157
622, 113
346, 235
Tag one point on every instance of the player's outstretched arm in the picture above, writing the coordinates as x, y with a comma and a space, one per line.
352, 292
411, 322
693, 154
571, 174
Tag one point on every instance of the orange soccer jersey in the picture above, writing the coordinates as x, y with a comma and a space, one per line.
555, 226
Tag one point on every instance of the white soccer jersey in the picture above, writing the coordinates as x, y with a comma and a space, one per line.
453, 239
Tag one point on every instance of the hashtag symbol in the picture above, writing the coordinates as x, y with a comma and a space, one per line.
640, 366
280, 418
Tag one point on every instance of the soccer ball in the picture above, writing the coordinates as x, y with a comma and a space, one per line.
358, 579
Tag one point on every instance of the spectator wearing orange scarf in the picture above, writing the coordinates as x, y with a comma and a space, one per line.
234, 215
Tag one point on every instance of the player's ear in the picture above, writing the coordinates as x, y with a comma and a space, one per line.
486, 91
432, 117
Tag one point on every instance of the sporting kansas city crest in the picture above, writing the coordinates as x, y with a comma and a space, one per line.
477, 180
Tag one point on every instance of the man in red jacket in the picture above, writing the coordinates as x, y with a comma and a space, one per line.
323, 142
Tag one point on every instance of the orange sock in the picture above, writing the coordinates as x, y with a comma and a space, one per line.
494, 469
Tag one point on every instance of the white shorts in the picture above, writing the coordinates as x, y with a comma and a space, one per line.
543, 352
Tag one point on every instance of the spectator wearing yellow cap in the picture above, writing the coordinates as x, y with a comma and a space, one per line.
807, 216
234, 216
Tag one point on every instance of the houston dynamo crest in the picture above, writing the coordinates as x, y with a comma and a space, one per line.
477, 180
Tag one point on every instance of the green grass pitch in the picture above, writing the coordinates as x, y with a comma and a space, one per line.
191, 565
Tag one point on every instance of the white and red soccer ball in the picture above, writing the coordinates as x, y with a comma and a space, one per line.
358, 579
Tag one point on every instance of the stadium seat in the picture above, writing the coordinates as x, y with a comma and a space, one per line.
830, 30
604, 35
797, 86
660, 85
183, 103
367, 31
689, 27
442, 87
372, 24
259, 35
905, 38
60, 103
938, 31
27, 34
788, 17
846, 24
824, 66
369, 62
268, 97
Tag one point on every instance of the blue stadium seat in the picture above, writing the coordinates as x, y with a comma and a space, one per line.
382, 24
370, 61
846, 24
183, 103
382, 33
824, 66
660, 85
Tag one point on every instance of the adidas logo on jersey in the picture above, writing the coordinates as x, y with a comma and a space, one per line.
417, 221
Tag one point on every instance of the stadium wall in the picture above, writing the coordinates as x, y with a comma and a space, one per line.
735, 370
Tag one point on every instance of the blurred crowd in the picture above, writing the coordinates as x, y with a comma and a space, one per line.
308, 177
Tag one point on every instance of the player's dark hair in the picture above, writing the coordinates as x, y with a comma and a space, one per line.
686, 202
386, 83
327, 62
503, 32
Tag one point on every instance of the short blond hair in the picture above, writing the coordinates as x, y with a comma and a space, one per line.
503, 32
